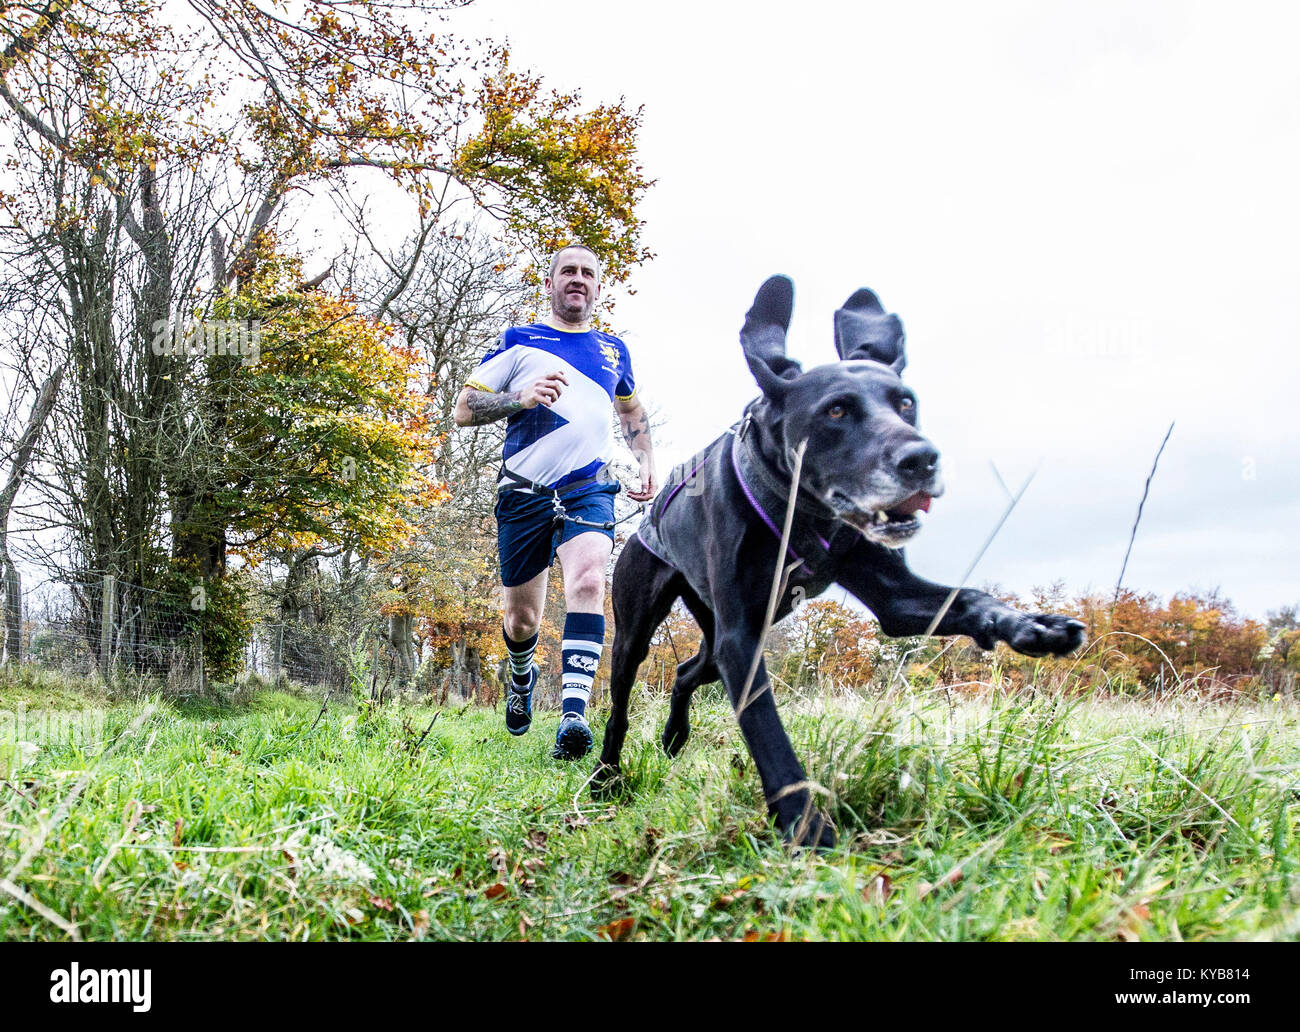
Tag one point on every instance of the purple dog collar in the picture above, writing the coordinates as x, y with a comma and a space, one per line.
762, 513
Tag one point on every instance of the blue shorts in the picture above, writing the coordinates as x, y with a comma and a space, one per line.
528, 533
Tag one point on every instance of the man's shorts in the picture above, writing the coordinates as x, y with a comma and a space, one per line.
528, 533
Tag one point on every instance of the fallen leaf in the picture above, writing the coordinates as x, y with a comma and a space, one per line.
382, 904
621, 878
419, 925
878, 889
176, 831
537, 840
496, 891
755, 936
1131, 921
617, 931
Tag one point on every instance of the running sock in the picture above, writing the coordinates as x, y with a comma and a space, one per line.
584, 636
521, 657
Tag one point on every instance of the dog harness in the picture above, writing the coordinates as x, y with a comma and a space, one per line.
810, 538
511, 481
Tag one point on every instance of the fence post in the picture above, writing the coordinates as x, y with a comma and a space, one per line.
107, 607
203, 677
374, 668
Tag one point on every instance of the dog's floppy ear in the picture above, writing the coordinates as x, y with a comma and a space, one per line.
863, 329
763, 336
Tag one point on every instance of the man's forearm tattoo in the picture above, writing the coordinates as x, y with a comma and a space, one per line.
486, 407
636, 427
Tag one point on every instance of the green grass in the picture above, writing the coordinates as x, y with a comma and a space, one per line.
992, 818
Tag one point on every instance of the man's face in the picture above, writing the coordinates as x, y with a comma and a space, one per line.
575, 287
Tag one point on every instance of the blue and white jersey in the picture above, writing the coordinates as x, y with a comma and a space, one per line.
573, 438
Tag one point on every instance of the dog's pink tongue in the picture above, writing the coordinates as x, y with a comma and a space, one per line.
919, 501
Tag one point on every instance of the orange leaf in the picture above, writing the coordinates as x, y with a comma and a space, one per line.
617, 931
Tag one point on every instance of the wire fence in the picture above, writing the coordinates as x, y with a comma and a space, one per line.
298, 653
108, 628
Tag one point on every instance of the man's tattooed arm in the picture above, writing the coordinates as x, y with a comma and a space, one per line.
636, 429
475, 407
635, 424
487, 407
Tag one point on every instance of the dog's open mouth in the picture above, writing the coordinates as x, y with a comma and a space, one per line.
891, 526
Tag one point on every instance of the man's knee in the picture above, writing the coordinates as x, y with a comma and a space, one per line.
521, 622
588, 585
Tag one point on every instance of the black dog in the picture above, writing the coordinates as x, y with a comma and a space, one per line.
712, 537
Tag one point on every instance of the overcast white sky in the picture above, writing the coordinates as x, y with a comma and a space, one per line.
1085, 213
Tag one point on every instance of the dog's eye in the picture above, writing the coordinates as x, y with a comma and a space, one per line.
836, 412
906, 404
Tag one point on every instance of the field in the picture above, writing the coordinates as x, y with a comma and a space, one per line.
973, 817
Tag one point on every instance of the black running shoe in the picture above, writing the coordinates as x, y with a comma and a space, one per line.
519, 705
574, 739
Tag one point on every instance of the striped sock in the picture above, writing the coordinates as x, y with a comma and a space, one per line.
521, 657
584, 635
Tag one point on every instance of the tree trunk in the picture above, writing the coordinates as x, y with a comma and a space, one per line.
12, 602
401, 626
11, 596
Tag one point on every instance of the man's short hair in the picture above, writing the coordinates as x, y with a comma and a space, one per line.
555, 260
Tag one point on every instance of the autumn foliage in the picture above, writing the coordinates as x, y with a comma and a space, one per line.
327, 430
1135, 643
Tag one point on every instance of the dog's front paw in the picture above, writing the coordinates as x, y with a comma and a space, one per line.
1043, 634
811, 831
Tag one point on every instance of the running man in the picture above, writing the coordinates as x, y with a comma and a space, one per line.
553, 382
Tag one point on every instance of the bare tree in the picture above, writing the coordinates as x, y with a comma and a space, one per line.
10, 580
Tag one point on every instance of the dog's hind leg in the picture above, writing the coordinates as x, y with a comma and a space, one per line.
644, 590
699, 669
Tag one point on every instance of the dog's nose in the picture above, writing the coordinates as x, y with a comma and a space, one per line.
918, 461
